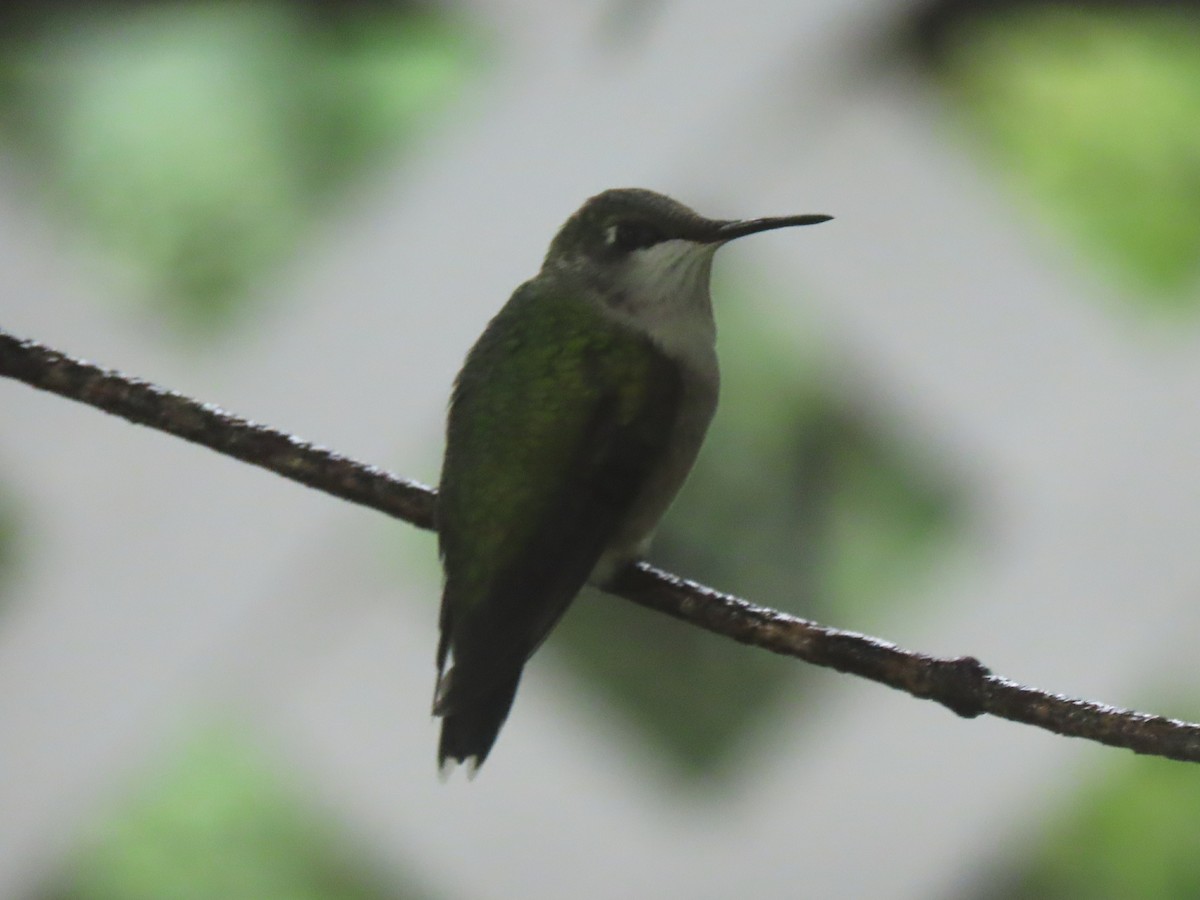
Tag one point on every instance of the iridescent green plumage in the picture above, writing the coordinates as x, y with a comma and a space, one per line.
557, 416
573, 423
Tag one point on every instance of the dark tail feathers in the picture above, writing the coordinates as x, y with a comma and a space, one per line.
470, 725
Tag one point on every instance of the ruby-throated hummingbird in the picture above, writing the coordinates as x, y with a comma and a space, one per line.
572, 425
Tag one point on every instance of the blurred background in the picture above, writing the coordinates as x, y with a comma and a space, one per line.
961, 416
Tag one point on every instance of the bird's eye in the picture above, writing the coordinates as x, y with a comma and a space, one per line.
633, 235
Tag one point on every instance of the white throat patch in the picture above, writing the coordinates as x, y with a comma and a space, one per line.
666, 295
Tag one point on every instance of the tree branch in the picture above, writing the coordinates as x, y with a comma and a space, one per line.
963, 684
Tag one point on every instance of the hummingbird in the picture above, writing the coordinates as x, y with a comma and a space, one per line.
572, 425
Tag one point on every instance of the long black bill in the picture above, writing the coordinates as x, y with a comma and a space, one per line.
730, 230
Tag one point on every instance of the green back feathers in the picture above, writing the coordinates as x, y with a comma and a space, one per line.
557, 419
543, 394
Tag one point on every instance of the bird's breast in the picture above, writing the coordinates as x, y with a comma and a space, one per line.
698, 403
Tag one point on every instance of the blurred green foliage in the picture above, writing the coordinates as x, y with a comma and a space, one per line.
219, 820
797, 502
1131, 832
195, 143
1095, 114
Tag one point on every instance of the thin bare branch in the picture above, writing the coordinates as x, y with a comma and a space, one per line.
963, 684
144, 403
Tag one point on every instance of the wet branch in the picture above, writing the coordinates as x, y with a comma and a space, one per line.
963, 684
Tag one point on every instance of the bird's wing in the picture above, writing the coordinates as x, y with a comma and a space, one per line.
557, 418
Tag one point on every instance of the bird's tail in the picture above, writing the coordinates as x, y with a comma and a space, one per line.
470, 724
